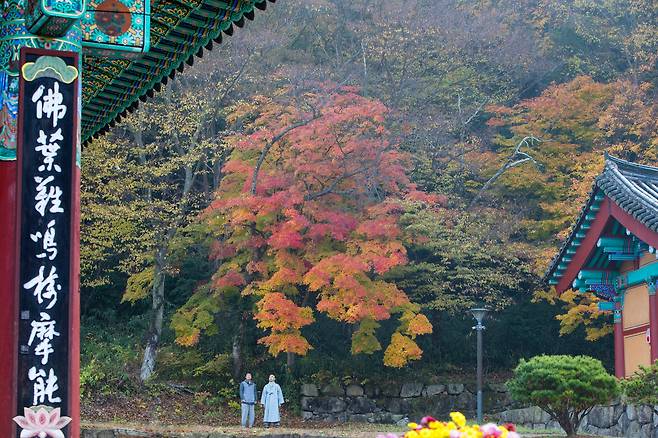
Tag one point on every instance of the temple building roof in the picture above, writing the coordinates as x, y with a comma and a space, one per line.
634, 187
179, 31
619, 220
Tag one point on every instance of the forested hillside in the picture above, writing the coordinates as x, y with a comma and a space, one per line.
330, 189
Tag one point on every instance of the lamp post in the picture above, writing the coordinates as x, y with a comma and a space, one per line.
478, 314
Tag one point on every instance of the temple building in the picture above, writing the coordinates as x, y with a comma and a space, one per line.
612, 252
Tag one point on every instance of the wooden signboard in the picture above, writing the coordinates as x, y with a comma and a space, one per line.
47, 136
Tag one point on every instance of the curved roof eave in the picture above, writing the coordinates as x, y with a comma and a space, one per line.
633, 187
180, 30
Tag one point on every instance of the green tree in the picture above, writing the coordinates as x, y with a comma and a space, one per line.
566, 387
458, 259
642, 387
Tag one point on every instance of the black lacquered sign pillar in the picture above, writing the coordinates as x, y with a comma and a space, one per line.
47, 139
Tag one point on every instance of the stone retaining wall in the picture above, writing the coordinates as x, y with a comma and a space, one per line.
399, 403
394, 403
616, 420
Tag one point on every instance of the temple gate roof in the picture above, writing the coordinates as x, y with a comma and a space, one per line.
180, 30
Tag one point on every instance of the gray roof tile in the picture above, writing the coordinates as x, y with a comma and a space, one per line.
633, 187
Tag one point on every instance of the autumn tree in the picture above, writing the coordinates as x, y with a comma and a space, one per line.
306, 220
467, 82
602, 39
143, 184
576, 122
458, 260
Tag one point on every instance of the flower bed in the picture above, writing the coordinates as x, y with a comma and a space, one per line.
456, 428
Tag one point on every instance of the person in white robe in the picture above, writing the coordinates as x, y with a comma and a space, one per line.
271, 399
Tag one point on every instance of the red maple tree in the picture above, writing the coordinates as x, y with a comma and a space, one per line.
306, 219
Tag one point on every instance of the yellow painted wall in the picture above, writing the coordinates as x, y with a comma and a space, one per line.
635, 314
636, 306
636, 352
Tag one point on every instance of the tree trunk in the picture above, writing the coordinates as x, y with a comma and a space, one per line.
157, 316
290, 363
217, 173
236, 350
570, 431
565, 421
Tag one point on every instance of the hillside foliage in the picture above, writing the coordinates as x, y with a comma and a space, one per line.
341, 180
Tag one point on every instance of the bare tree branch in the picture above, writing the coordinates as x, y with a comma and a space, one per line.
235, 79
268, 146
316, 115
517, 158
333, 185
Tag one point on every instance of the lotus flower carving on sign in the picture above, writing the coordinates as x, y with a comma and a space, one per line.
41, 422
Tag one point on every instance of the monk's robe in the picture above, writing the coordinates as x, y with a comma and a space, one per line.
271, 398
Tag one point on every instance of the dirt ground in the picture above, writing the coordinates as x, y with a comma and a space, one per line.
311, 430
184, 413
168, 408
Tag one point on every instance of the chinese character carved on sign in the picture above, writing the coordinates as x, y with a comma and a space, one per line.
49, 104
44, 331
45, 288
49, 150
45, 386
47, 194
48, 242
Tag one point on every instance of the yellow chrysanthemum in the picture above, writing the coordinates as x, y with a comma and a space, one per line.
425, 433
439, 429
458, 418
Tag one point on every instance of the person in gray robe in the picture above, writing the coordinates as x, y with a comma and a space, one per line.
248, 401
271, 399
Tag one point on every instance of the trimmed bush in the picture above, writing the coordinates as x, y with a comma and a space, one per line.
642, 387
566, 387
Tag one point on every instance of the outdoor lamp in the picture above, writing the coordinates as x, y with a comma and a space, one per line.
479, 313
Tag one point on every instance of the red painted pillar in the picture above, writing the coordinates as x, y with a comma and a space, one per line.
620, 365
9, 303
74, 339
653, 321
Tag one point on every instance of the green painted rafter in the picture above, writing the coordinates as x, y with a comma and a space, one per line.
180, 30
